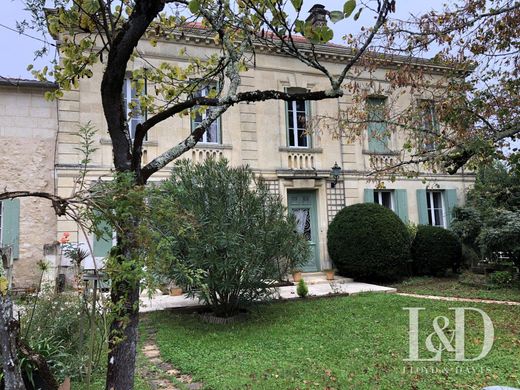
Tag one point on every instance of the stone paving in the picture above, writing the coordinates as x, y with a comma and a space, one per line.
317, 288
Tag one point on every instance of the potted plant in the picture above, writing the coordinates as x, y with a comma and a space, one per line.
175, 290
330, 273
297, 275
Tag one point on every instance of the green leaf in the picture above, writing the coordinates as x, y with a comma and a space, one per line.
349, 7
336, 16
356, 16
297, 4
194, 6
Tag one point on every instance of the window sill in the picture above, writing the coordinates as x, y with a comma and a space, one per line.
299, 150
202, 145
108, 141
385, 153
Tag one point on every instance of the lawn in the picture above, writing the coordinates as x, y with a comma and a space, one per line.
451, 287
356, 342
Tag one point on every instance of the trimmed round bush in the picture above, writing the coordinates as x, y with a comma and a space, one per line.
369, 242
434, 250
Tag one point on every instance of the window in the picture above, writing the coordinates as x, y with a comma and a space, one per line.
297, 116
377, 126
132, 105
428, 123
213, 134
436, 213
384, 198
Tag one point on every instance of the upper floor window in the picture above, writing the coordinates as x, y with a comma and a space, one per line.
378, 139
132, 105
428, 123
297, 114
212, 135
436, 208
384, 198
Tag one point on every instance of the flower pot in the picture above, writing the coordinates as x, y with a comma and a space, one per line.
330, 274
65, 385
175, 291
297, 276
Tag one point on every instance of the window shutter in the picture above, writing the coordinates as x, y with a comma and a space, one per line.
450, 199
11, 225
401, 204
102, 244
377, 139
422, 207
369, 196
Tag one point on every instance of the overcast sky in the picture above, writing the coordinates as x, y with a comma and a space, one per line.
18, 50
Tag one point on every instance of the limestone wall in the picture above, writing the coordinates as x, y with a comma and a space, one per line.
28, 127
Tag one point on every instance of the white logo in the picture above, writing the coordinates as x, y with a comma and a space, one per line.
440, 324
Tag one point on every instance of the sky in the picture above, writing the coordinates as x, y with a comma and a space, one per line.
19, 50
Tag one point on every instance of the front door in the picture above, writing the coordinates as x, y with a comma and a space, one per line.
302, 204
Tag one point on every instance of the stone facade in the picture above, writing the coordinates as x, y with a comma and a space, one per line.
28, 129
254, 134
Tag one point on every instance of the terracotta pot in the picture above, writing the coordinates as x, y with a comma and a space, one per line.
175, 291
65, 385
297, 276
330, 275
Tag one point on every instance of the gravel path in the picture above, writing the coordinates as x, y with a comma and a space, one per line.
455, 299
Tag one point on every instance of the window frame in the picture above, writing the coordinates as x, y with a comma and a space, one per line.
386, 140
379, 194
128, 89
427, 106
293, 105
431, 208
204, 91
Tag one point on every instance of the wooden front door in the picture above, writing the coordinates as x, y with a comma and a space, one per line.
302, 204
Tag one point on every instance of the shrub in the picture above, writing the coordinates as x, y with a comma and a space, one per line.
434, 250
501, 278
302, 290
239, 236
369, 242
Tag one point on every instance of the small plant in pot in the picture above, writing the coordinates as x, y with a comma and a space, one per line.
174, 290
329, 272
297, 275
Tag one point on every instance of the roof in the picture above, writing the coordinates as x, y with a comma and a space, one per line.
26, 83
332, 51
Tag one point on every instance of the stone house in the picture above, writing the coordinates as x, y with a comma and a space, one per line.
269, 136
28, 130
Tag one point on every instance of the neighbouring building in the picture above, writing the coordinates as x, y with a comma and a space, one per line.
28, 131
39, 148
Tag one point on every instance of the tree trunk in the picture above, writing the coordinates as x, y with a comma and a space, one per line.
123, 335
9, 330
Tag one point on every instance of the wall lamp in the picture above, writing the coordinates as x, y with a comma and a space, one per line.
335, 173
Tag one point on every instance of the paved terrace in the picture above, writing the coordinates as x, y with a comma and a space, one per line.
316, 282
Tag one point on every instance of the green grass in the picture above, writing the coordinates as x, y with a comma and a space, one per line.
451, 287
356, 342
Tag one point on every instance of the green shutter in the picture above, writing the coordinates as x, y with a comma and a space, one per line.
450, 199
103, 244
377, 138
369, 196
11, 225
401, 204
422, 207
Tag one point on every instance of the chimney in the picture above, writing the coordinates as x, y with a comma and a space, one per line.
318, 15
